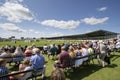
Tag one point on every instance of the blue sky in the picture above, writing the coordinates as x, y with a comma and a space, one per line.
46, 18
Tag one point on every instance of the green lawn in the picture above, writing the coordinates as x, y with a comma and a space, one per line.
39, 43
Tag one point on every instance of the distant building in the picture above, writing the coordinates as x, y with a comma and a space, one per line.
28, 39
95, 35
22, 38
3, 39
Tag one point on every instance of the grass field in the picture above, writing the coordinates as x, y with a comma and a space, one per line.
84, 72
39, 43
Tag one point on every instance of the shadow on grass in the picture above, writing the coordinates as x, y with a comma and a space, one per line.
14, 68
79, 73
83, 72
115, 57
112, 65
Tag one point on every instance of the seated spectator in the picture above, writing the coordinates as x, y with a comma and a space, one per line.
1, 49
84, 51
118, 44
22, 65
6, 53
72, 52
57, 74
24, 48
18, 54
58, 49
45, 49
37, 62
78, 62
63, 60
3, 69
12, 50
67, 46
72, 55
90, 50
26, 66
28, 51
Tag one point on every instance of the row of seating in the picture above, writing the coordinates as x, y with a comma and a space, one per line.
33, 76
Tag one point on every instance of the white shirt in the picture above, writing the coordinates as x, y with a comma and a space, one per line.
28, 74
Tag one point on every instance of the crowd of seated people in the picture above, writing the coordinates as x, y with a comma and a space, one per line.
36, 62
67, 54
24, 66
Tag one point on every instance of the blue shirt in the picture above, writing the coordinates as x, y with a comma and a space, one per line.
37, 61
3, 71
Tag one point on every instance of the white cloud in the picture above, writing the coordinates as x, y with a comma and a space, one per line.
7, 33
15, 12
14, 0
71, 24
56, 34
20, 0
50, 34
36, 32
102, 9
88, 31
31, 30
94, 21
11, 27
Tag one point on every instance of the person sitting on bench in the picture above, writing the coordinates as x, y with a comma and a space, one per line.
37, 62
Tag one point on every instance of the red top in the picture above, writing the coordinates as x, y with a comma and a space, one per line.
28, 53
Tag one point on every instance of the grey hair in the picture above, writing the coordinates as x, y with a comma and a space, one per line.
36, 50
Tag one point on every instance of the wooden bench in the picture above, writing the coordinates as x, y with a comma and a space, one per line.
33, 76
90, 57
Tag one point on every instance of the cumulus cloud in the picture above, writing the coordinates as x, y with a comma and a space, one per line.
102, 9
50, 34
94, 21
14, 0
11, 27
88, 31
71, 24
37, 32
31, 30
15, 12
56, 34
20, 0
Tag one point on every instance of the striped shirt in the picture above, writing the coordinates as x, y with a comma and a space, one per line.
3, 71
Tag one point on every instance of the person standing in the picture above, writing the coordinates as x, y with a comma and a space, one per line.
103, 53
